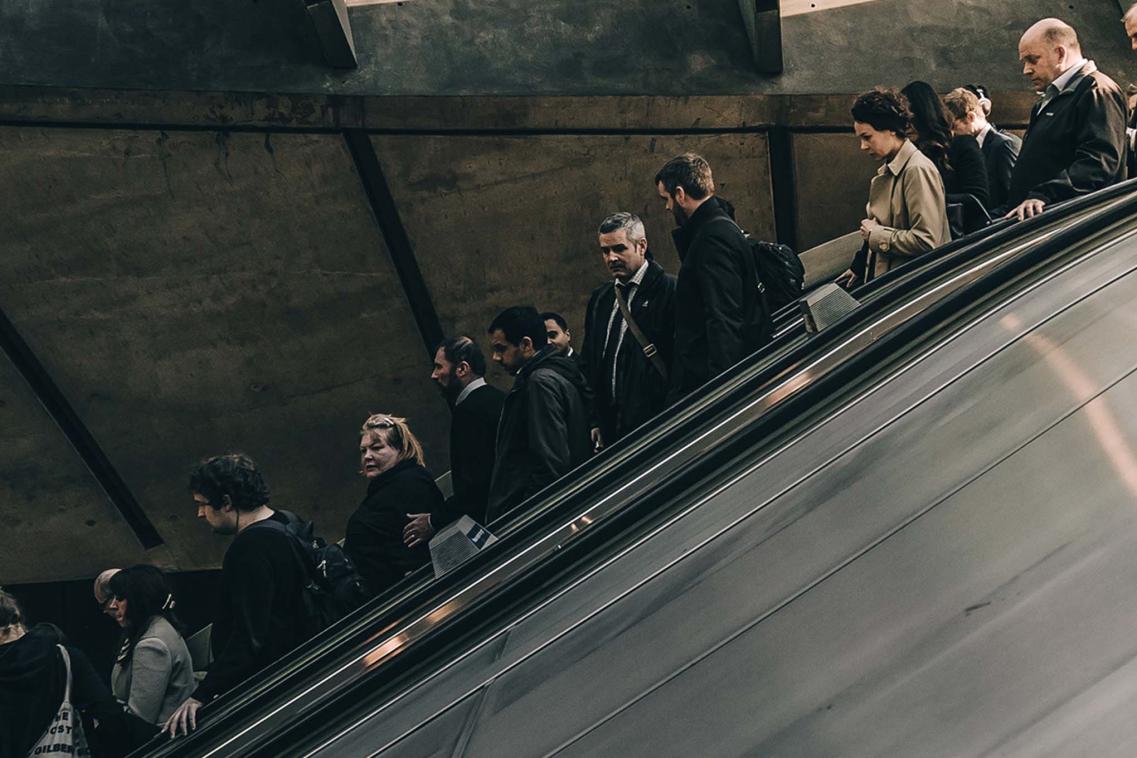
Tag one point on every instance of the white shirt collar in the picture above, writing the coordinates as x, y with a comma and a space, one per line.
479, 382
638, 278
983, 135
1060, 83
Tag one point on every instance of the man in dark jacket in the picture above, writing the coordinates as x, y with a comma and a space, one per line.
720, 316
1075, 142
1000, 149
543, 432
259, 616
459, 372
628, 386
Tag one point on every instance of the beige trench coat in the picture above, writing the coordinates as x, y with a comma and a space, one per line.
906, 197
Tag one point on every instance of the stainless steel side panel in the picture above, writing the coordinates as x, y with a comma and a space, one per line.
939, 568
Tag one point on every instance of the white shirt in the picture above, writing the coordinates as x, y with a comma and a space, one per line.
479, 382
983, 135
637, 280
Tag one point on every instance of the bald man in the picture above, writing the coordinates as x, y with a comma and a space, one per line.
1075, 143
100, 589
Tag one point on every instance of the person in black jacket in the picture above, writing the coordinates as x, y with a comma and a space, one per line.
1000, 149
459, 372
628, 387
259, 615
958, 158
398, 486
32, 683
1075, 142
720, 317
544, 430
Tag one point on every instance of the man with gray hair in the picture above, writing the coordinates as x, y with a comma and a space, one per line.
1075, 142
1130, 22
629, 332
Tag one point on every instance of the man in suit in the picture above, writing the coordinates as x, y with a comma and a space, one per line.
629, 387
720, 316
1000, 149
1075, 143
475, 407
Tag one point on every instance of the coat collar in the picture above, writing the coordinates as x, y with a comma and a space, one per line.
899, 161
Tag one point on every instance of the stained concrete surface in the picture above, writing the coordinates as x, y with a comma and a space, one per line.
832, 176
194, 293
525, 47
499, 221
52, 509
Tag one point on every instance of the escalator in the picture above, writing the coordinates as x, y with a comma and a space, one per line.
753, 573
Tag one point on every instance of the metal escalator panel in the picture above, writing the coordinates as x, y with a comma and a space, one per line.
940, 564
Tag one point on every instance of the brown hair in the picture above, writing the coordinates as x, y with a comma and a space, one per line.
960, 101
10, 612
396, 434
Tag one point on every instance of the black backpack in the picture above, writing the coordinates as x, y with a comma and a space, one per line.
780, 271
781, 274
334, 588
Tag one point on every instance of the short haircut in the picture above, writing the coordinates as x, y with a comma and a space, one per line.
147, 595
519, 322
463, 350
1131, 13
396, 434
232, 474
884, 110
960, 101
689, 171
554, 316
11, 614
632, 225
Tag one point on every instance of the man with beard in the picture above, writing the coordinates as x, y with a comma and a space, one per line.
475, 407
543, 432
628, 378
720, 315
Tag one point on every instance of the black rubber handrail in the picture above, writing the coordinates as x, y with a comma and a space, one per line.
368, 624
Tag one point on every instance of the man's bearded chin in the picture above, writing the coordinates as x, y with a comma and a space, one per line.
679, 214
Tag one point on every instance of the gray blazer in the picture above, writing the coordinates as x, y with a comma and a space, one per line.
158, 676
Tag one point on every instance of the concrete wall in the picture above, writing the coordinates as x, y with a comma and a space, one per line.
527, 47
192, 255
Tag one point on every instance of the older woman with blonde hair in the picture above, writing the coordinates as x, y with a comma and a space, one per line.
398, 485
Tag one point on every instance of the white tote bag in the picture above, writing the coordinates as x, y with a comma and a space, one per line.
64, 736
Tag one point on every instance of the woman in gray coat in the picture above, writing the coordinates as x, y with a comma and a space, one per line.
153, 673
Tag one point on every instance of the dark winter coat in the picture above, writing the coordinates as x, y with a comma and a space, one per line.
1075, 144
641, 391
473, 443
968, 172
32, 681
719, 319
1000, 152
544, 431
374, 536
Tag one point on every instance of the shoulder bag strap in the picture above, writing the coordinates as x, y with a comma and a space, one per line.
67, 672
649, 349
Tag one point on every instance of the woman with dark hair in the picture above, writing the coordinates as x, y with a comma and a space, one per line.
398, 485
43, 681
906, 211
958, 159
153, 673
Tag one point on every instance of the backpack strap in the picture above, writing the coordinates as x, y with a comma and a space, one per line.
650, 351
